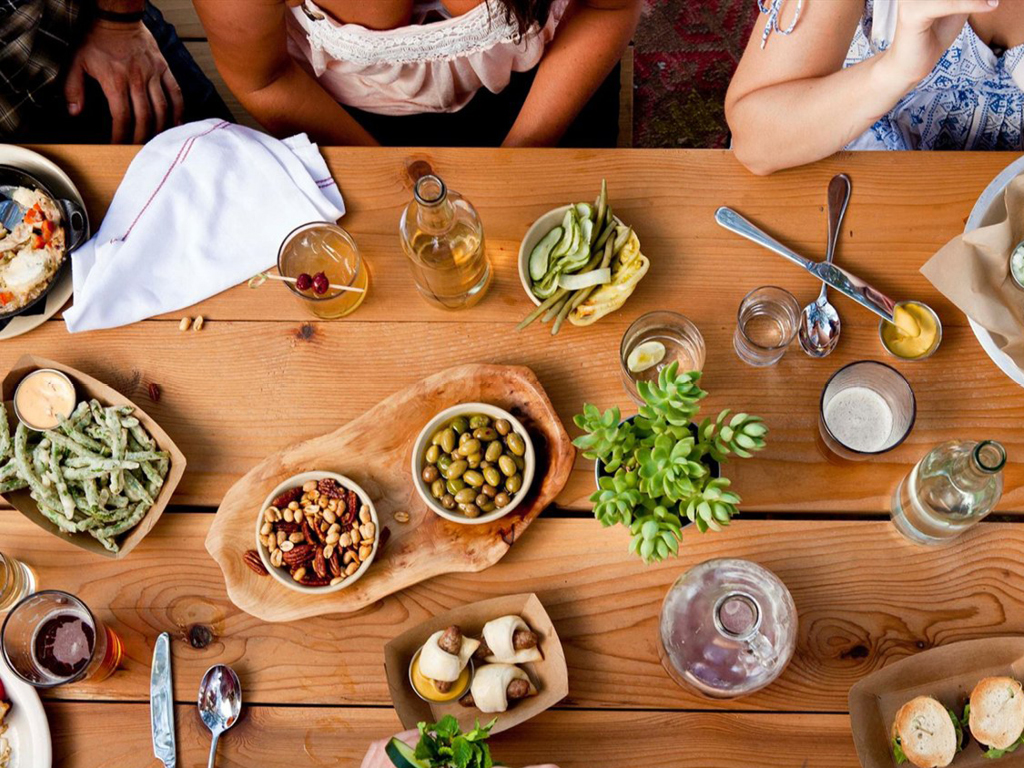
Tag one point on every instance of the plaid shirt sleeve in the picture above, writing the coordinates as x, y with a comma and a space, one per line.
37, 40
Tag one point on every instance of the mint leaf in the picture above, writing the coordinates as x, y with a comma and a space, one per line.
443, 745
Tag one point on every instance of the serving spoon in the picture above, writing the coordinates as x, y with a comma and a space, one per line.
820, 325
220, 702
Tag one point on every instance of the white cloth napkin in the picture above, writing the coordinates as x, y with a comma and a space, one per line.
203, 207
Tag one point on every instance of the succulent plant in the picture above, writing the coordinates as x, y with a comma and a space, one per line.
656, 467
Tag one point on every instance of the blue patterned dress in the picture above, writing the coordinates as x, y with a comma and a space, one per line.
972, 99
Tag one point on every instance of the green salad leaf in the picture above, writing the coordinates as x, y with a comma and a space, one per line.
959, 728
444, 745
995, 754
897, 751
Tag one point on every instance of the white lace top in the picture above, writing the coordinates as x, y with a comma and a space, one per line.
431, 67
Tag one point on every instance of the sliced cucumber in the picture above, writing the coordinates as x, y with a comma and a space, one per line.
540, 257
568, 226
402, 755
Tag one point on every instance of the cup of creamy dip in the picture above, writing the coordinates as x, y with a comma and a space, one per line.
43, 398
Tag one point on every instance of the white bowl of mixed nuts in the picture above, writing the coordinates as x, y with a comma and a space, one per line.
317, 532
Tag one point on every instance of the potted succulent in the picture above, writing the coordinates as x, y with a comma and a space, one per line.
658, 470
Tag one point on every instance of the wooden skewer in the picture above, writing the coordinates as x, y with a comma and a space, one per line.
262, 277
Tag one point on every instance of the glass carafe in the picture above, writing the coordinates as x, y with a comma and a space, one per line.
953, 487
444, 240
728, 628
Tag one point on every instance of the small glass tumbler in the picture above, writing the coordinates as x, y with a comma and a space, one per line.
867, 408
51, 638
324, 247
766, 323
680, 339
16, 581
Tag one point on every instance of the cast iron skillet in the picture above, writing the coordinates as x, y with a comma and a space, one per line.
72, 219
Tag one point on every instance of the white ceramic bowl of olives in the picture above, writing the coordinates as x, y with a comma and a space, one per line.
478, 450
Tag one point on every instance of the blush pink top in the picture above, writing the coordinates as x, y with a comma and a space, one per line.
432, 67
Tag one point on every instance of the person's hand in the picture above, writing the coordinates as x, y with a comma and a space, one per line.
924, 30
126, 61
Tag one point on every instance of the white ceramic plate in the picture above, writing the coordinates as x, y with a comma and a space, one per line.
27, 729
988, 208
61, 184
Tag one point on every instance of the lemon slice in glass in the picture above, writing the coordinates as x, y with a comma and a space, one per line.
645, 355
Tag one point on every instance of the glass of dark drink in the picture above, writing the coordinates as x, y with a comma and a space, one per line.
51, 638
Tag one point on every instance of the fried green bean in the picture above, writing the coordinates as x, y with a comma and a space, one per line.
121, 526
134, 489
6, 448
12, 484
67, 502
72, 431
27, 471
146, 456
116, 450
107, 465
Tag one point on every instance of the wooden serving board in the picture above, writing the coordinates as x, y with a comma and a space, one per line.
375, 450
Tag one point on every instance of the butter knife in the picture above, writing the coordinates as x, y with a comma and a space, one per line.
161, 702
842, 280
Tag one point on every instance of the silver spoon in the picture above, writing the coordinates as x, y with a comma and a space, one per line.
220, 702
820, 325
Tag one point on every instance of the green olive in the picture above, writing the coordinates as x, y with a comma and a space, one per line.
492, 476
466, 496
455, 469
485, 434
459, 424
443, 462
482, 501
520, 463
448, 501
464, 437
472, 477
513, 484
437, 488
430, 473
507, 465
435, 439
454, 486
504, 426
474, 459
470, 447
488, 507
479, 420
502, 500
494, 450
489, 490
515, 444
469, 510
433, 454
447, 441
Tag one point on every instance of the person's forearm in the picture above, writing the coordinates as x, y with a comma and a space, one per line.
588, 44
294, 102
801, 121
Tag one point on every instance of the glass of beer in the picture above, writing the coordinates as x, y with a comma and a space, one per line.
16, 581
51, 638
324, 248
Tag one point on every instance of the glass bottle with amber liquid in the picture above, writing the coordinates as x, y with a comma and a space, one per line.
444, 240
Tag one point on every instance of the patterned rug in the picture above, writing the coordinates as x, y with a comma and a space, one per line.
685, 53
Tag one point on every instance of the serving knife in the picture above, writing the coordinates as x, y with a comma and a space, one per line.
161, 702
842, 280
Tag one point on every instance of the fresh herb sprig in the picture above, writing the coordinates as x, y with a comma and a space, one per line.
444, 745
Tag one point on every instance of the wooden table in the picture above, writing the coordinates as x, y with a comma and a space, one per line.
254, 380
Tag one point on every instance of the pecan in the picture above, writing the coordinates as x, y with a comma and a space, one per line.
154, 392
312, 532
309, 580
335, 564
299, 555
287, 498
351, 509
320, 563
330, 488
252, 559
281, 525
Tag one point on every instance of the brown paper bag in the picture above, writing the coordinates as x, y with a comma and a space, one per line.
973, 271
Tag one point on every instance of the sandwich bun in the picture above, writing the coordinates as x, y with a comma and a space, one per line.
997, 712
926, 733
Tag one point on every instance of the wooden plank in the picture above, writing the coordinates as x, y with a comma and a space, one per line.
238, 391
905, 206
303, 736
865, 598
183, 16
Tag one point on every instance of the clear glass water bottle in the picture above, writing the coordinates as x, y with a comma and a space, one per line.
444, 240
953, 487
728, 628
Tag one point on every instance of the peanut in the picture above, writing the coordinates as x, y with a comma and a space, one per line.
345, 540
328, 551
267, 528
287, 546
365, 551
197, 324
366, 530
281, 537
309, 485
297, 538
329, 515
300, 573
276, 558
293, 505
401, 517
352, 568
364, 514
288, 515
337, 580
348, 557
185, 324
332, 538
356, 536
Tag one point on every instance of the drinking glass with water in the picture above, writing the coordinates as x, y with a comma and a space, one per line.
766, 324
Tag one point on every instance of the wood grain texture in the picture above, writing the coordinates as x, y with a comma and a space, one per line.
375, 450
865, 598
339, 736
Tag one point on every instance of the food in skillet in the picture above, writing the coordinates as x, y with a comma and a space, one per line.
98, 471
440, 670
926, 734
32, 252
496, 686
5, 745
995, 715
586, 267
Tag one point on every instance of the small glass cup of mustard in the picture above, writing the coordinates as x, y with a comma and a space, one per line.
906, 346
424, 688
